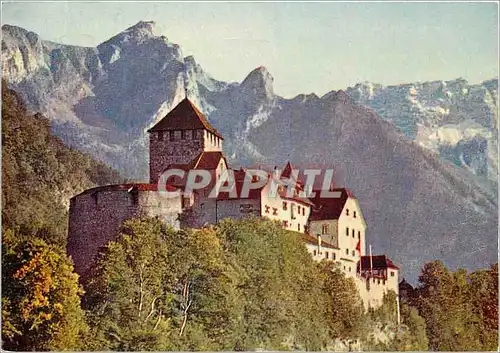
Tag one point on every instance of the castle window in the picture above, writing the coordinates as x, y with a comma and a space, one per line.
314, 252
378, 281
325, 229
285, 224
392, 273
349, 268
347, 212
171, 135
353, 253
183, 134
303, 211
359, 234
284, 205
326, 254
298, 227
160, 135
275, 211
347, 231
353, 233
347, 251
267, 209
334, 256
344, 268
292, 211
354, 215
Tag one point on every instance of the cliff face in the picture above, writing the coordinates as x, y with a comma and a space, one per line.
420, 159
40, 173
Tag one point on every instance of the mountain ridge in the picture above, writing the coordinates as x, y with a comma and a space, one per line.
104, 105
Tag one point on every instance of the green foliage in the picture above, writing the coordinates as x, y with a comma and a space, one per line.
242, 285
40, 173
157, 289
40, 297
460, 310
387, 313
344, 307
280, 283
484, 300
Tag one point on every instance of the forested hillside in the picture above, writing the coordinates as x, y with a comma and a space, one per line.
40, 173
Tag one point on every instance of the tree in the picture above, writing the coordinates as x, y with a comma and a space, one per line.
344, 308
411, 334
280, 285
484, 300
443, 300
160, 289
40, 173
40, 297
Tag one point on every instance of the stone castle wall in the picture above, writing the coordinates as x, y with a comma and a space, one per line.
163, 152
96, 216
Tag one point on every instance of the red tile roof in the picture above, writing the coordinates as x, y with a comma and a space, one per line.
253, 194
378, 261
185, 116
287, 171
207, 160
301, 200
329, 208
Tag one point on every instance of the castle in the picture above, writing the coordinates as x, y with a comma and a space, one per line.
332, 228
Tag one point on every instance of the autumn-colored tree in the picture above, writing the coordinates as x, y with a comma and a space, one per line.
40, 297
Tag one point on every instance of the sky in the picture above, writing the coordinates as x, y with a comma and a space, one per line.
307, 47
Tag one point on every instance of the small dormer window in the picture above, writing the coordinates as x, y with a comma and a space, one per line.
325, 229
347, 212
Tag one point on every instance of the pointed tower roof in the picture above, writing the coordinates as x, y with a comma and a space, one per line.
185, 116
287, 172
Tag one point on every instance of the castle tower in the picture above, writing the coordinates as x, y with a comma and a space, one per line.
179, 137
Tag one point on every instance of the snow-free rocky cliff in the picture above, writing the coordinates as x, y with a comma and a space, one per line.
421, 158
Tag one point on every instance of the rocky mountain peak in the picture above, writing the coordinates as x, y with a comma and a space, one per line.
259, 82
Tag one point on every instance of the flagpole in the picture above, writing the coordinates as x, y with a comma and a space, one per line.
371, 261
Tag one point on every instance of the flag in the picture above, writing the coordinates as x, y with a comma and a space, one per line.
358, 247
